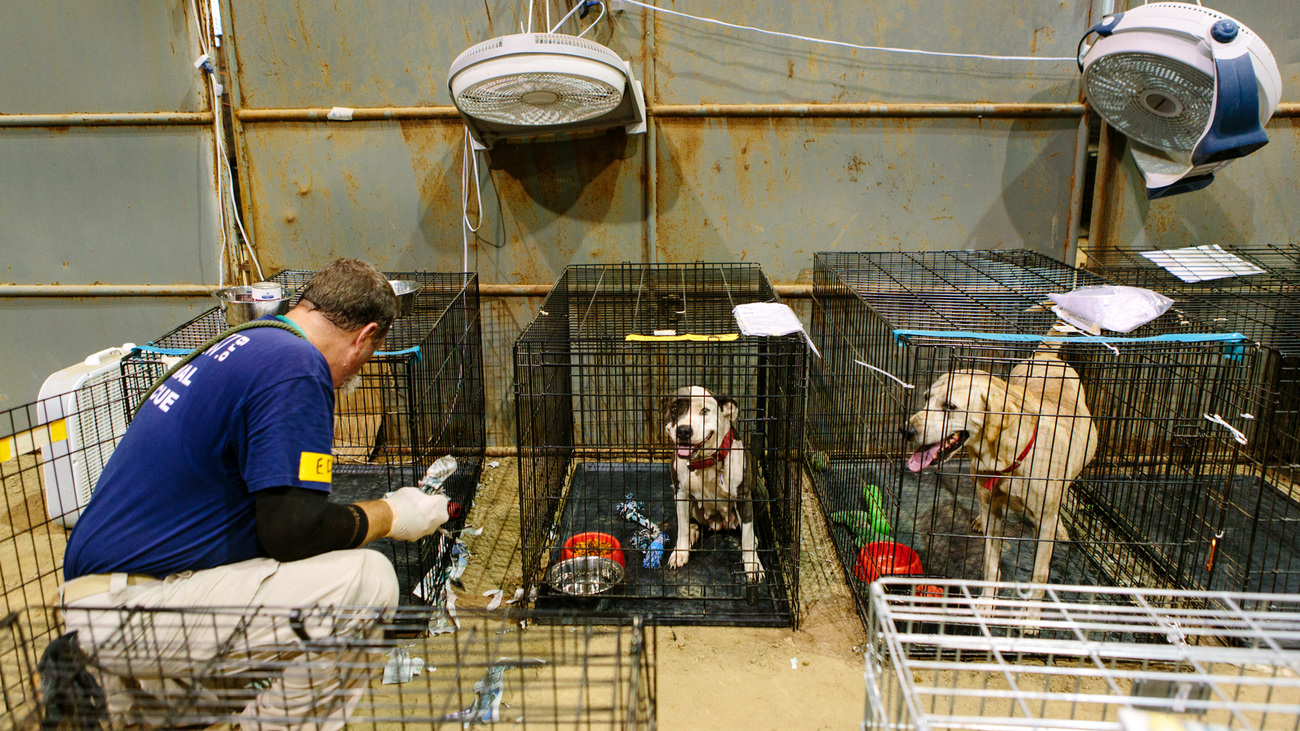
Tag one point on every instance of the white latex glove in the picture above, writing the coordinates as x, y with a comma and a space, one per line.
415, 514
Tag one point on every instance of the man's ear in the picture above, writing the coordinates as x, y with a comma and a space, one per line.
364, 335
727, 406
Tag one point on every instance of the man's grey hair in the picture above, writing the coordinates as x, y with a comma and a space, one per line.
352, 294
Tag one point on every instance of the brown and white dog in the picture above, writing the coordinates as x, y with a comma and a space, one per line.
712, 475
1027, 437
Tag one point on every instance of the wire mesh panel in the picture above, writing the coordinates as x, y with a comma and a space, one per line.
420, 398
1085, 658
1262, 511
944, 398
200, 667
600, 434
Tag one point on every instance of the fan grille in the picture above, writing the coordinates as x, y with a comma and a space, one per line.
535, 99
1153, 99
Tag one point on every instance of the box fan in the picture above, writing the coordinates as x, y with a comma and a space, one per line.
82, 414
532, 84
1190, 87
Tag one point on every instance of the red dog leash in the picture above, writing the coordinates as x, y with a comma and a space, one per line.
996, 477
723, 450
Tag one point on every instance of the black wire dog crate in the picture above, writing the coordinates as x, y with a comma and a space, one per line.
419, 398
596, 374
1145, 511
202, 667
1263, 507
1084, 658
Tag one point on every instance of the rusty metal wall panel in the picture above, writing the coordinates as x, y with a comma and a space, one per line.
699, 63
777, 191
67, 56
99, 202
389, 192
120, 205
1250, 204
366, 54
44, 335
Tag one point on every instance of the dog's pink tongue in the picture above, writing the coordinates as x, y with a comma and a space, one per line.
684, 452
923, 457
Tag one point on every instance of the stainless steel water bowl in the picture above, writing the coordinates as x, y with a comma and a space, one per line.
406, 292
239, 307
585, 575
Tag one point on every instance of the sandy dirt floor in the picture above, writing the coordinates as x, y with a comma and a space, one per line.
717, 677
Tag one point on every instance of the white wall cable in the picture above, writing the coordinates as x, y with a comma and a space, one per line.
810, 39
580, 4
468, 161
594, 22
576, 8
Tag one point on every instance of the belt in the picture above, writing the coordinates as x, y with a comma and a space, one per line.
84, 586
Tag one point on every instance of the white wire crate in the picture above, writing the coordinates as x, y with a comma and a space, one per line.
1092, 658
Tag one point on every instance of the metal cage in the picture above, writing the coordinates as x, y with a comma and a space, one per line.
1085, 658
1263, 507
200, 667
425, 390
1147, 510
592, 373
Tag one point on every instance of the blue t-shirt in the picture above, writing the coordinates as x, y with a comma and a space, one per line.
253, 412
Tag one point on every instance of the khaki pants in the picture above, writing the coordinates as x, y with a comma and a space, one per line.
192, 632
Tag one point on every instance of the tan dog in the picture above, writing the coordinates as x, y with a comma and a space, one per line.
1028, 437
712, 476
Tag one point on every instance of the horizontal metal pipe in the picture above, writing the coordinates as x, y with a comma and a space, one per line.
1290, 109
868, 110
514, 290
202, 290
104, 120
106, 290
705, 110
360, 114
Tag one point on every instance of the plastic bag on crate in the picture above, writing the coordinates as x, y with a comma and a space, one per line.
1120, 309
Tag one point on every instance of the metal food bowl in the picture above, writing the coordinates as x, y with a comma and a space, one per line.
239, 307
406, 292
585, 575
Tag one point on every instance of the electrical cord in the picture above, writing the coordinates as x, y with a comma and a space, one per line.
811, 39
466, 228
582, 5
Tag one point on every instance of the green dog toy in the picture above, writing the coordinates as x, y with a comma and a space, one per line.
820, 461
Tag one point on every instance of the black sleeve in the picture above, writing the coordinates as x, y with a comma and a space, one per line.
294, 523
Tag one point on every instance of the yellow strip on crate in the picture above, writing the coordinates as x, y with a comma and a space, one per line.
33, 439
688, 336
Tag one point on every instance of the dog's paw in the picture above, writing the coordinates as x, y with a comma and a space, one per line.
695, 536
678, 558
977, 525
754, 572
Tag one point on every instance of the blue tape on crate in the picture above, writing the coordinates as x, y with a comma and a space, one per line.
413, 350
901, 336
151, 348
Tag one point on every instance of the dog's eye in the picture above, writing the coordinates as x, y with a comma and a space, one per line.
949, 406
704, 412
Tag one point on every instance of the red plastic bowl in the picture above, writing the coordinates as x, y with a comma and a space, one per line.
886, 558
593, 544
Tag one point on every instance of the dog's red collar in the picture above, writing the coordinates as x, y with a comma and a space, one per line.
993, 479
723, 450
